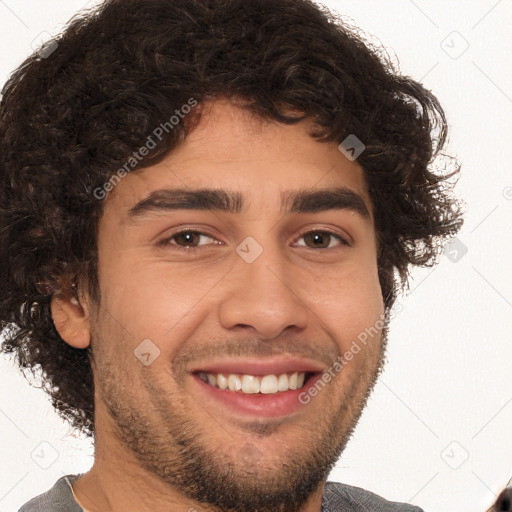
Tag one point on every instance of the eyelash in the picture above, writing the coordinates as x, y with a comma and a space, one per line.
165, 242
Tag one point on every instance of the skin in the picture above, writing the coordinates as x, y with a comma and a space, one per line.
157, 435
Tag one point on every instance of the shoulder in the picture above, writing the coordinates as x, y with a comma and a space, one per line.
346, 498
57, 499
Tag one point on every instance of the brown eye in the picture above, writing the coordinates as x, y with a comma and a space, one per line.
187, 240
322, 239
187, 237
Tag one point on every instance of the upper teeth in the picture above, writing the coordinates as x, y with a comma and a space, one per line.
255, 384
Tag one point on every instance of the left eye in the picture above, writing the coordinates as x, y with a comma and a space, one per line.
323, 238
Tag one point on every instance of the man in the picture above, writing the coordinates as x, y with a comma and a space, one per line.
202, 244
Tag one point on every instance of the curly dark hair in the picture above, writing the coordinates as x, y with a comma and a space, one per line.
75, 111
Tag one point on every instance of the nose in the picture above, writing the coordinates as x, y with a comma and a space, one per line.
263, 296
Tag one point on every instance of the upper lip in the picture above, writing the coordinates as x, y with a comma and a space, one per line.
259, 366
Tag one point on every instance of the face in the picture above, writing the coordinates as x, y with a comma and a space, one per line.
264, 281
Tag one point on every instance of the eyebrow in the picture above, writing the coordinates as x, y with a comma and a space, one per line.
298, 201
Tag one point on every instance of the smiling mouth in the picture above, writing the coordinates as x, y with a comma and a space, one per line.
256, 384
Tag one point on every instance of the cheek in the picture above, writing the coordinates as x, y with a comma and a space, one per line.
155, 300
349, 303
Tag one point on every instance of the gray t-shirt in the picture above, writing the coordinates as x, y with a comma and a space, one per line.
337, 498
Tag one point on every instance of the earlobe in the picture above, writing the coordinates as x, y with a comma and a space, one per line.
71, 320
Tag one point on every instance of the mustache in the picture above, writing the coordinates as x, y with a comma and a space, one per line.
251, 348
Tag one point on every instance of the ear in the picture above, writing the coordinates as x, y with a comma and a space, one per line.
71, 320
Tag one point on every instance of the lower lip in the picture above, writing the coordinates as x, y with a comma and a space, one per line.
258, 404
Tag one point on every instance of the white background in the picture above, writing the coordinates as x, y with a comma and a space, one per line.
445, 398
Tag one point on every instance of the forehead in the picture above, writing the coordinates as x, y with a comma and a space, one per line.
260, 162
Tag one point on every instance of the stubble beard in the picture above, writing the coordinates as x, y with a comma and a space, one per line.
177, 453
